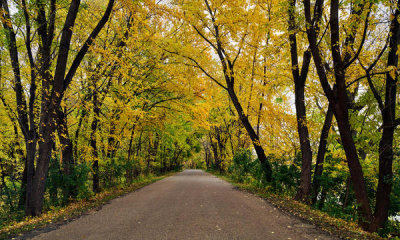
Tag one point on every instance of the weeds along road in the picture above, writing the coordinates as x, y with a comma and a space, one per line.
189, 205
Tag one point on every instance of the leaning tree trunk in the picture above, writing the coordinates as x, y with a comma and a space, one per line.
319, 166
341, 111
253, 136
389, 126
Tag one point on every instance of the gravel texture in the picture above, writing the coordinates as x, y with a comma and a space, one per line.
189, 205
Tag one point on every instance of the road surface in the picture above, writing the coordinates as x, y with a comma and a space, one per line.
189, 205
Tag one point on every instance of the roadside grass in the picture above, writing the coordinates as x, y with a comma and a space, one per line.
73, 210
335, 226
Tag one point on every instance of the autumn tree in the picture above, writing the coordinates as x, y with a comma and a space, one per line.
344, 54
52, 89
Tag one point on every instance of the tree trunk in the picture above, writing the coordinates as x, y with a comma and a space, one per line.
93, 143
338, 98
322, 200
347, 193
66, 143
389, 126
341, 111
303, 193
215, 151
129, 167
253, 136
77, 132
53, 88
111, 146
304, 190
35, 203
319, 166
67, 158
356, 173
221, 148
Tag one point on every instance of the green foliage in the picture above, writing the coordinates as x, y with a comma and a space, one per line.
112, 173
242, 166
285, 178
395, 196
61, 187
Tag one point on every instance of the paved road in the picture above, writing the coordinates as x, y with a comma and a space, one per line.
188, 205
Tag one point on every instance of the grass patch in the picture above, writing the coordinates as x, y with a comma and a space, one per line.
335, 226
73, 210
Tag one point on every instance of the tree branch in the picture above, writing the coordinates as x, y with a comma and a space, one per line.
349, 62
13, 51
397, 122
312, 37
199, 67
362, 77
82, 52
206, 39
373, 89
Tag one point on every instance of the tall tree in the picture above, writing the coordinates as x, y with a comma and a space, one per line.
299, 78
52, 87
387, 108
213, 32
343, 56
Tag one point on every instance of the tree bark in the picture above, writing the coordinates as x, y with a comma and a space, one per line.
304, 190
319, 166
93, 142
67, 156
338, 98
341, 110
386, 143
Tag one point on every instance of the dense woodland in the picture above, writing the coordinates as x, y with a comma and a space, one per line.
298, 97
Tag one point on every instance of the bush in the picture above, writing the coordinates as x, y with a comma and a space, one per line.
242, 167
61, 187
285, 177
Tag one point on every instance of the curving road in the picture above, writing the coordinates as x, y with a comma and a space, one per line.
189, 205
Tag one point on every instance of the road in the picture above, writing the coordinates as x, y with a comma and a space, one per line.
189, 205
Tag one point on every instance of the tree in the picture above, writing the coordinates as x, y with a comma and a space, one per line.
299, 78
387, 108
52, 87
212, 29
343, 57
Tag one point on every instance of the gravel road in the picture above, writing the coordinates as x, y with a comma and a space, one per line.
189, 205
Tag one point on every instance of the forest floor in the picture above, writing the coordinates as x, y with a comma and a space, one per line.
189, 205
